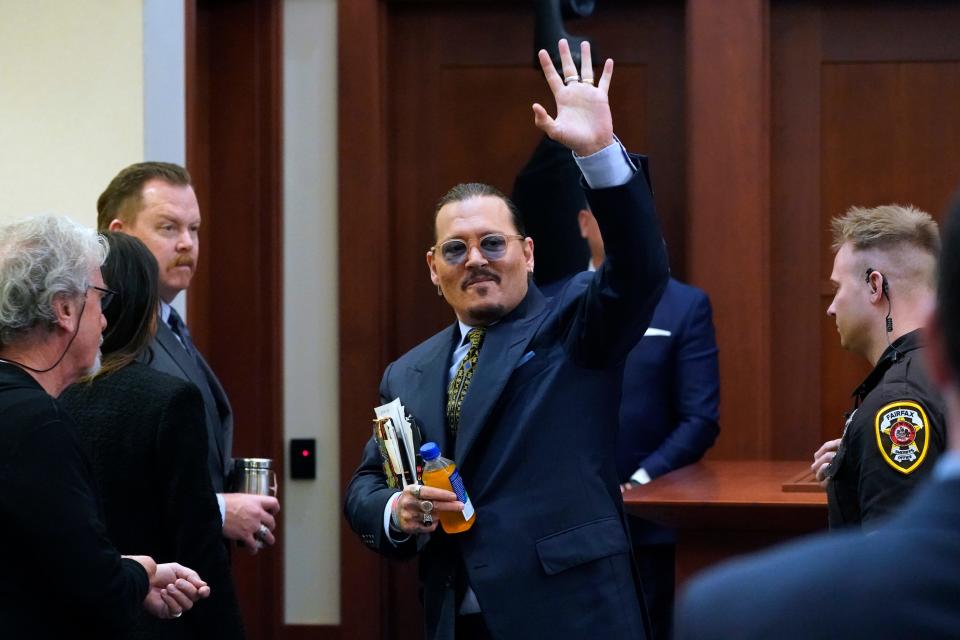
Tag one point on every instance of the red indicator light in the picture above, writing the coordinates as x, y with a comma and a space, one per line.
305, 453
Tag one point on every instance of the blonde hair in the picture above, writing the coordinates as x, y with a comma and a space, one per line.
885, 227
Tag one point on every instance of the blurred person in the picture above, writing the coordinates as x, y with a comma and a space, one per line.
900, 580
63, 577
155, 202
884, 277
144, 431
522, 392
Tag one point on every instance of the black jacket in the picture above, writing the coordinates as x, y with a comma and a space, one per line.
62, 577
146, 436
872, 475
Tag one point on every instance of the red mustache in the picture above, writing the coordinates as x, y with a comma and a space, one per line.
182, 261
480, 275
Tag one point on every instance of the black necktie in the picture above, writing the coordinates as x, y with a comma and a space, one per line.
457, 390
181, 331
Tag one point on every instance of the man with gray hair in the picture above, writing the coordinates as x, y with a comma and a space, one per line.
51, 300
884, 277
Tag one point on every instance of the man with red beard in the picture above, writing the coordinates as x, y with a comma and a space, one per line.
155, 202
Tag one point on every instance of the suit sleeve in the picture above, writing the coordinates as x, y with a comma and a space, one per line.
696, 388
368, 493
49, 489
191, 513
619, 302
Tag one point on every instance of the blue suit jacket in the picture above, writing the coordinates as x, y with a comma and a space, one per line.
899, 581
671, 393
671, 387
549, 553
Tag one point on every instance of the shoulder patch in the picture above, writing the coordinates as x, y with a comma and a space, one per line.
902, 435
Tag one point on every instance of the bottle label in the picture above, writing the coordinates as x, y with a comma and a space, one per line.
457, 483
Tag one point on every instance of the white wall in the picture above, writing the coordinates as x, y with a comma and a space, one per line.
71, 102
312, 508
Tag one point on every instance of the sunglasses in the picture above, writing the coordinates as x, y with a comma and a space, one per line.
106, 296
493, 246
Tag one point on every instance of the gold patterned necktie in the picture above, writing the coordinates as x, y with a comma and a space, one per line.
457, 390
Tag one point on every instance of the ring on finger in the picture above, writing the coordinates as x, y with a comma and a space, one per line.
261, 532
177, 615
416, 490
568, 79
427, 519
587, 81
426, 506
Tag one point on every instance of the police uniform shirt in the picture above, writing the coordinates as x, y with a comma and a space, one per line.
891, 440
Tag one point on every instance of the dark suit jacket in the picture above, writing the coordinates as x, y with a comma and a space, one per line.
671, 395
899, 581
169, 356
549, 554
143, 431
62, 577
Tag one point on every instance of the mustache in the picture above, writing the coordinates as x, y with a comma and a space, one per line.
479, 275
182, 261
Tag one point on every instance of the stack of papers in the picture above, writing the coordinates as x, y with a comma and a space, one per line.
398, 439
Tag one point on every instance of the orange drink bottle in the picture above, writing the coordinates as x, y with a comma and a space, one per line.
442, 473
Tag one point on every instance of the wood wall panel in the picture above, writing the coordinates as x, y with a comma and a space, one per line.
861, 115
795, 314
365, 243
234, 155
890, 134
728, 237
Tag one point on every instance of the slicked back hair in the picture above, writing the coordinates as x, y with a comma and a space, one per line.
123, 197
467, 190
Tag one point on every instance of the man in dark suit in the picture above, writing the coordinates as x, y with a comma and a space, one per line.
155, 202
534, 435
669, 412
899, 581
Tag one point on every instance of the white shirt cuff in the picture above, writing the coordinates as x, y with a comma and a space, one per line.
609, 167
222, 503
640, 476
387, 513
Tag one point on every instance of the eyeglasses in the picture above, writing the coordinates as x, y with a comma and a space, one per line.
493, 246
106, 296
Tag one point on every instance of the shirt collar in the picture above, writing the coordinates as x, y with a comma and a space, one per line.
165, 312
897, 349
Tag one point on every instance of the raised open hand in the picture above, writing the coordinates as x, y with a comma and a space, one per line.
583, 121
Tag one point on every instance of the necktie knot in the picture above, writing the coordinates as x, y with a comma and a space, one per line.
475, 336
180, 330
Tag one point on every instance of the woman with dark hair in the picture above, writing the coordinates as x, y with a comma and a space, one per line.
146, 436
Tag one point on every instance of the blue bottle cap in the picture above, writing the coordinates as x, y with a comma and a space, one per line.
430, 451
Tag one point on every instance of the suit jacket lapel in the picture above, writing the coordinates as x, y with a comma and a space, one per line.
503, 346
192, 370
429, 407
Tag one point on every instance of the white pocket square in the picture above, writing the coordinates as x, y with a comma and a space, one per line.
656, 332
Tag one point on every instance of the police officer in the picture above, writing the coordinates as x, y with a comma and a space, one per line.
884, 281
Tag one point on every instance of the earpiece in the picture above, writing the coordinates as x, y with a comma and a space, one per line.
885, 288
